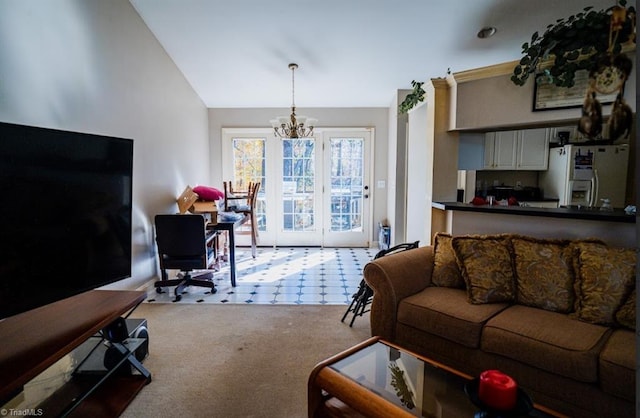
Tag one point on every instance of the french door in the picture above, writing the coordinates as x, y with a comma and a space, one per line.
347, 191
315, 191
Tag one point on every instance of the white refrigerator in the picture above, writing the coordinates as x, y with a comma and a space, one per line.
585, 175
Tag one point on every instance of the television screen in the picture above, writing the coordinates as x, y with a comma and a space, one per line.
65, 218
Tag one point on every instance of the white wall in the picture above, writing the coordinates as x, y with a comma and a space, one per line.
94, 66
419, 174
478, 106
376, 117
397, 170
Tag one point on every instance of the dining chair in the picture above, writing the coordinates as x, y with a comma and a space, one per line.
233, 197
249, 199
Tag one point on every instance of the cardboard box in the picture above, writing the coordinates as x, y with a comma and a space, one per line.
206, 207
186, 199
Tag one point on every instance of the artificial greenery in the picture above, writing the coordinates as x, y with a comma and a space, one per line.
400, 385
578, 42
416, 96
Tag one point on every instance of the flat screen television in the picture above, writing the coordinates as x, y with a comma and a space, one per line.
65, 217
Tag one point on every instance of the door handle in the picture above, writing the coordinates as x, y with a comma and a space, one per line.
366, 195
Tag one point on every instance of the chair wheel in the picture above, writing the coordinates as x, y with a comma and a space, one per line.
159, 290
178, 297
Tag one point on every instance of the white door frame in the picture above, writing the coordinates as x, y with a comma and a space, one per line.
273, 188
361, 238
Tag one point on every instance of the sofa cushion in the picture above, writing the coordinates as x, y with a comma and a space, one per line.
626, 315
445, 312
445, 269
546, 340
618, 365
486, 266
544, 273
605, 277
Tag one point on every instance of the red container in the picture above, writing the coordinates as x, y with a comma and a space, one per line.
497, 390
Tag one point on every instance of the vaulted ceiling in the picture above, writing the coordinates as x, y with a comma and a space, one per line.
351, 53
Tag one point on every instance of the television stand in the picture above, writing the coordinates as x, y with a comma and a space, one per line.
33, 341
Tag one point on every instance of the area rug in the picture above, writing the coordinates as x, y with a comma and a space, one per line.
237, 360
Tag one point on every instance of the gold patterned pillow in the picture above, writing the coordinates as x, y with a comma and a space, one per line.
544, 273
605, 276
626, 315
485, 261
446, 272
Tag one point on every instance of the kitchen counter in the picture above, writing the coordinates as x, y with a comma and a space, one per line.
615, 228
594, 214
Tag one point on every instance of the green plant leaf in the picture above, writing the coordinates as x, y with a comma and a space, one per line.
413, 98
576, 42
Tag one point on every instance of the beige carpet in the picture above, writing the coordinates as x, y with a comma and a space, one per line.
237, 360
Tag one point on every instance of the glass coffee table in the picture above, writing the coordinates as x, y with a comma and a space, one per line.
378, 379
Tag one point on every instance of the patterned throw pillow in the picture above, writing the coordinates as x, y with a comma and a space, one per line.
626, 315
544, 273
486, 267
446, 272
604, 278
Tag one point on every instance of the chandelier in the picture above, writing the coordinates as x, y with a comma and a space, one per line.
293, 126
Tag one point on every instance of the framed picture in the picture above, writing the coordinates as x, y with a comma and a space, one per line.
547, 96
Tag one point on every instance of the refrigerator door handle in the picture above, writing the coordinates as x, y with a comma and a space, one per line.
594, 189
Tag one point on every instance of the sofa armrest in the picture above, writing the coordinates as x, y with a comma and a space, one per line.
393, 278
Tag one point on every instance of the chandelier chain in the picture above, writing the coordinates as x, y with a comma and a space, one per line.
293, 86
293, 126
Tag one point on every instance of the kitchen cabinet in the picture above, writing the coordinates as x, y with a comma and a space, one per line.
525, 149
533, 149
500, 150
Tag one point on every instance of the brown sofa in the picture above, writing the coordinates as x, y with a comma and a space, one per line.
557, 315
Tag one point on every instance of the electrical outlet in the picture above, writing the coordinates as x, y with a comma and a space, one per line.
518, 184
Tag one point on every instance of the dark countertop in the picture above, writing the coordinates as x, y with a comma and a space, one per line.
538, 200
592, 214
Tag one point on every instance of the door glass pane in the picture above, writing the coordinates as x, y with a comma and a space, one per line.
298, 184
249, 166
346, 184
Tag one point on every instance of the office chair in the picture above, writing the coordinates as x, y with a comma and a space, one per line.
184, 244
248, 209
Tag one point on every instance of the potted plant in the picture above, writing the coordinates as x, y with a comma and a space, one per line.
590, 40
416, 96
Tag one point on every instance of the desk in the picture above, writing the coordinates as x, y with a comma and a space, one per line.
230, 227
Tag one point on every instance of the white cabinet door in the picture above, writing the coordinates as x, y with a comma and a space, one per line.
500, 150
505, 155
533, 149
489, 146
526, 149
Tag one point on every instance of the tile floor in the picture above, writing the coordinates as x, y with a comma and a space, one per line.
291, 275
